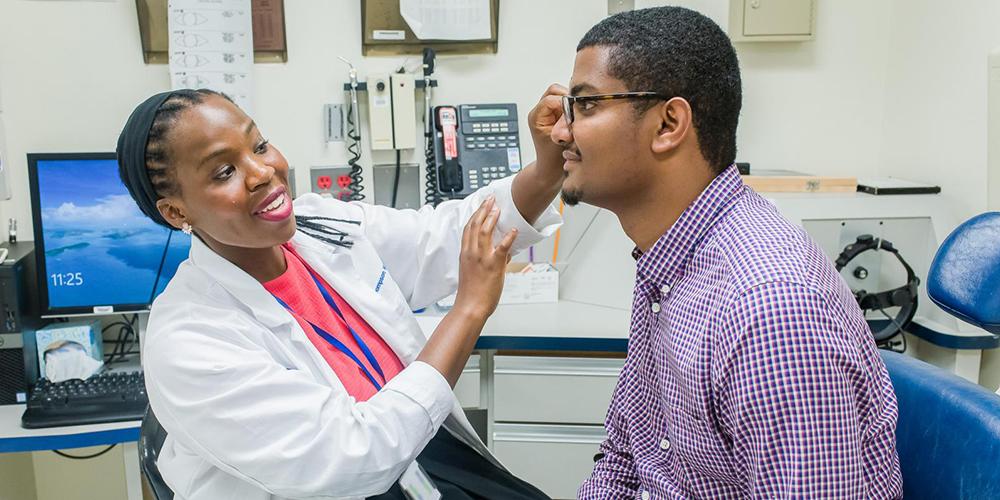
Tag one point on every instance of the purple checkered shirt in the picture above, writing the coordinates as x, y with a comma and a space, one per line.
751, 371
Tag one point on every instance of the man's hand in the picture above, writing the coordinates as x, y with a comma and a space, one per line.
541, 119
537, 185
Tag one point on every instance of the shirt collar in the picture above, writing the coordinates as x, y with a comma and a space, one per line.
243, 287
670, 253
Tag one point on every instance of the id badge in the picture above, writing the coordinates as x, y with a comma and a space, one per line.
416, 485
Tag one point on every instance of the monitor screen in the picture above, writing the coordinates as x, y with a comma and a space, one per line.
96, 253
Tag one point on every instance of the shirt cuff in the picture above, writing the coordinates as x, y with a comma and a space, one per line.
426, 387
510, 217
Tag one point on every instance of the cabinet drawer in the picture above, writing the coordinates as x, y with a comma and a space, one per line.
553, 390
554, 458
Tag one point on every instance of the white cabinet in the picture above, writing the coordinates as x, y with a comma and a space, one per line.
993, 132
553, 389
554, 458
772, 20
548, 417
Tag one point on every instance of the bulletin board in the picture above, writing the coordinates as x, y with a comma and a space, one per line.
382, 16
268, 16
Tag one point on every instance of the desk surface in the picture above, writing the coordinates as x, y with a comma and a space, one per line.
560, 326
14, 438
575, 326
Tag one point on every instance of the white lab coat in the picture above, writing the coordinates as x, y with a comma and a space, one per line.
251, 408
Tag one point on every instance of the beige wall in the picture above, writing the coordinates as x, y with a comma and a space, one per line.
59, 478
17, 477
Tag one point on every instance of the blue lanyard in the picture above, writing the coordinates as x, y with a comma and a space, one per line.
338, 344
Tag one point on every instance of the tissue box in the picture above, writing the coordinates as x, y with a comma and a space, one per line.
524, 283
85, 333
530, 284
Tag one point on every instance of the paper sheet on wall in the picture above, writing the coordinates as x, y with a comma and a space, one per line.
447, 19
211, 46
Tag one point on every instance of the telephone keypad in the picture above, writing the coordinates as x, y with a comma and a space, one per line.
485, 136
489, 141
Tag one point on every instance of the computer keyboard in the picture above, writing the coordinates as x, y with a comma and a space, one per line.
102, 398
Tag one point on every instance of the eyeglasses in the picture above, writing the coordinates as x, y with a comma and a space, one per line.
569, 101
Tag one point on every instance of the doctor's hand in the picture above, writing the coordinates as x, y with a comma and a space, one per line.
541, 120
480, 280
481, 264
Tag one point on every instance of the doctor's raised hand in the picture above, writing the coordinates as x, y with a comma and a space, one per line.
283, 359
480, 281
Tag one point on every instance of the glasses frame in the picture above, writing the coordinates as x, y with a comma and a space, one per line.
569, 100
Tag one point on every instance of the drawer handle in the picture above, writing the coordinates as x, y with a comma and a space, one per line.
545, 438
608, 372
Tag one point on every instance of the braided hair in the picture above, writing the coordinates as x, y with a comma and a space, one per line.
157, 148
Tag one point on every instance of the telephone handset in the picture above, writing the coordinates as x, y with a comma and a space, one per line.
474, 145
450, 171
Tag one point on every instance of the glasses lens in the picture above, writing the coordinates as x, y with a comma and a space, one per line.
567, 109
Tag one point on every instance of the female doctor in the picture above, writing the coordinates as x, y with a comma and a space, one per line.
283, 359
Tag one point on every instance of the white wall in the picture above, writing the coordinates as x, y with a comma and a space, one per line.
815, 107
935, 97
72, 89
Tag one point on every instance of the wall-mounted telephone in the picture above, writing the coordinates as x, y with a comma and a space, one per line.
474, 144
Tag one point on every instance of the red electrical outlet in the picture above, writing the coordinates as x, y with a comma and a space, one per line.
332, 181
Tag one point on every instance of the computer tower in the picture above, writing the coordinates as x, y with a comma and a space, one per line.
18, 321
18, 367
18, 288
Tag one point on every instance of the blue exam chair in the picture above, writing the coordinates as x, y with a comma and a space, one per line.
948, 434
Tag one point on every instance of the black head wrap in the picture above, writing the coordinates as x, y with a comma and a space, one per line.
132, 156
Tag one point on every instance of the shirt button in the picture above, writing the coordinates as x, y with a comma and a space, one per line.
664, 444
665, 289
655, 307
645, 495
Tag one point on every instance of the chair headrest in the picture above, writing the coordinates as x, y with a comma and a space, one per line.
964, 278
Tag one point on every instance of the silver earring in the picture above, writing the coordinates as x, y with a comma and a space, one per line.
186, 228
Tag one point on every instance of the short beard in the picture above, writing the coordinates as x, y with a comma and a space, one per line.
571, 198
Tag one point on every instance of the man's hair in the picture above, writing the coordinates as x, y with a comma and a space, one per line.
679, 53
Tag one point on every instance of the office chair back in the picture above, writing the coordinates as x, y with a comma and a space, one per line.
948, 433
964, 278
151, 436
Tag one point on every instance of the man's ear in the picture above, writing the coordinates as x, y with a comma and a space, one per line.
173, 211
675, 123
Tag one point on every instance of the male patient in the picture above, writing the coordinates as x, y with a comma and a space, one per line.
751, 371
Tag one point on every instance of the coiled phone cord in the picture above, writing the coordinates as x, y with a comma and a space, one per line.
354, 150
431, 195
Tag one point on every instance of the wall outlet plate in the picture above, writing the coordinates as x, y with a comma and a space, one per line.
333, 122
408, 194
331, 181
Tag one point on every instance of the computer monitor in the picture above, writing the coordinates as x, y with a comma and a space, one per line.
96, 253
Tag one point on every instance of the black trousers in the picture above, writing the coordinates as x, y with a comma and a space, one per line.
460, 473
